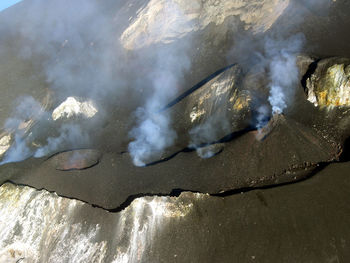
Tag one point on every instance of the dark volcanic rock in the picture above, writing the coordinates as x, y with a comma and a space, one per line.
225, 104
289, 152
303, 222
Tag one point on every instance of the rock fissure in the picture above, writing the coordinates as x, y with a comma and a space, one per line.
176, 192
310, 71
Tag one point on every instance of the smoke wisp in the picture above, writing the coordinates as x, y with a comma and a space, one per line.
283, 70
153, 132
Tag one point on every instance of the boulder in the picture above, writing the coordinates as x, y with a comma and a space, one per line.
329, 85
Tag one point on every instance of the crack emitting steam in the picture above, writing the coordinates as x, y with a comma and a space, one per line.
69, 134
25, 126
283, 71
154, 132
26, 113
280, 61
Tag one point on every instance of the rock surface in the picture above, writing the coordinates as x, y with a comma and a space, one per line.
72, 107
166, 21
329, 85
123, 46
38, 226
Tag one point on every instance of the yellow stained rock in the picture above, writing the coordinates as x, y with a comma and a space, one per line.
331, 89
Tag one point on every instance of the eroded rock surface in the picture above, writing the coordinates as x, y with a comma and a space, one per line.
38, 226
285, 150
329, 85
166, 21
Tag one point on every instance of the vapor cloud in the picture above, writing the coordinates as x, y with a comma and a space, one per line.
27, 114
27, 111
275, 54
283, 70
70, 134
153, 132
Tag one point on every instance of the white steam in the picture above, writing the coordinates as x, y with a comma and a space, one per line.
26, 113
283, 71
154, 132
69, 134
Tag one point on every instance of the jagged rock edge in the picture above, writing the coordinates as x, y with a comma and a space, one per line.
176, 192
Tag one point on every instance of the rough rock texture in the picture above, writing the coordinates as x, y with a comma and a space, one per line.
219, 112
303, 222
115, 49
329, 85
289, 152
166, 21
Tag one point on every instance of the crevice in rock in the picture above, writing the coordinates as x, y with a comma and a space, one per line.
345, 156
317, 169
176, 192
225, 139
195, 87
311, 70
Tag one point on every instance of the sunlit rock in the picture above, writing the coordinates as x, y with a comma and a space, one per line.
142, 220
208, 113
329, 85
218, 108
165, 21
72, 107
5, 143
38, 226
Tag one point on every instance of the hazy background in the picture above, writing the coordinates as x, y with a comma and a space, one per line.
7, 3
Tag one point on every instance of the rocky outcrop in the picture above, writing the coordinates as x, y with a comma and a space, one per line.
166, 21
38, 226
329, 85
72, 107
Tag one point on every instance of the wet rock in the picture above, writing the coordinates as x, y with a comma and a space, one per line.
329, 85
76, 159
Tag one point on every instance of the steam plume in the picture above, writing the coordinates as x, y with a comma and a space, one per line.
154, 132
283, 70
27, 112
